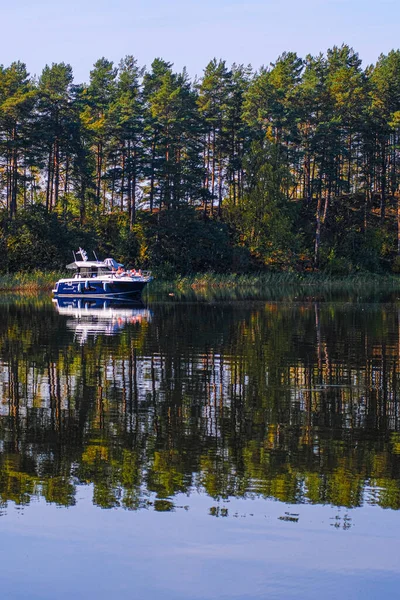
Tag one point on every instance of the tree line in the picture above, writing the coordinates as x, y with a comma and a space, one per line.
262, 168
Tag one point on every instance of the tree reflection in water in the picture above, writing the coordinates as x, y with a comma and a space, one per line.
293, 401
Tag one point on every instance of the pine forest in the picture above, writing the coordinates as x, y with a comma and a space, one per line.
292, 167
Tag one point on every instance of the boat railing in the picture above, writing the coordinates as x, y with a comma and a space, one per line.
146, 274
139, 274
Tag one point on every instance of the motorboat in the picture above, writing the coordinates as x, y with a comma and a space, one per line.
101, 279
91, 317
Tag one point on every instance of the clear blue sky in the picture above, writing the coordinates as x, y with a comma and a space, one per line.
190, 32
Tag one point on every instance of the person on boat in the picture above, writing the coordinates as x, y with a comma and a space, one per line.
120, 271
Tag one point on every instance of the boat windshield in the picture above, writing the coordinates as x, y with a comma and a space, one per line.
93, 271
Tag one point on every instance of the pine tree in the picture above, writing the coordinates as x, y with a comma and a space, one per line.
98, 98
126, 117
55, 121
17, 102
213, 102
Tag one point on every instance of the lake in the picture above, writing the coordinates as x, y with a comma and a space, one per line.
200, 448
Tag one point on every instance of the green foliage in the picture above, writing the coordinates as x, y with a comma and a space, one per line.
36, 239
396, 265
264, 219
181, 241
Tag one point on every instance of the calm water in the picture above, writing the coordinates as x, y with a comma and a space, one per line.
243, 449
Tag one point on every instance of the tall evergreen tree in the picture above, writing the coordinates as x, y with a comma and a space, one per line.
213, 102
55, 122
17, 101
126, 118
99, 96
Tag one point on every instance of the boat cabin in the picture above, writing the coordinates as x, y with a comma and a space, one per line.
87, 269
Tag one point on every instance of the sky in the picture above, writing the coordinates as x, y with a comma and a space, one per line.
190, 33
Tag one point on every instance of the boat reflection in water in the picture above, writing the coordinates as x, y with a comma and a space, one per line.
92, 317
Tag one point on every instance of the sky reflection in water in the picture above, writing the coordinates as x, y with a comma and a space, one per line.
86, 552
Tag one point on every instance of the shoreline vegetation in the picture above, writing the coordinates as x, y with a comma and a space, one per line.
35, 281
38, 281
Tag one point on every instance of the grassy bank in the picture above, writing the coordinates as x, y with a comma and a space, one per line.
264, 280
34, 281
43, 281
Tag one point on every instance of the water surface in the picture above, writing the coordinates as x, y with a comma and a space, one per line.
200, 449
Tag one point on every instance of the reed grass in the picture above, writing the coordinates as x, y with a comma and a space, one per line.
263, 280
33, 281
44, 281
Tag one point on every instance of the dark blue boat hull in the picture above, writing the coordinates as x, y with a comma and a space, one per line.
81, 288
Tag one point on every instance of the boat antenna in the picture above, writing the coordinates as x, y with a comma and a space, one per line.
73, 253
97, 260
